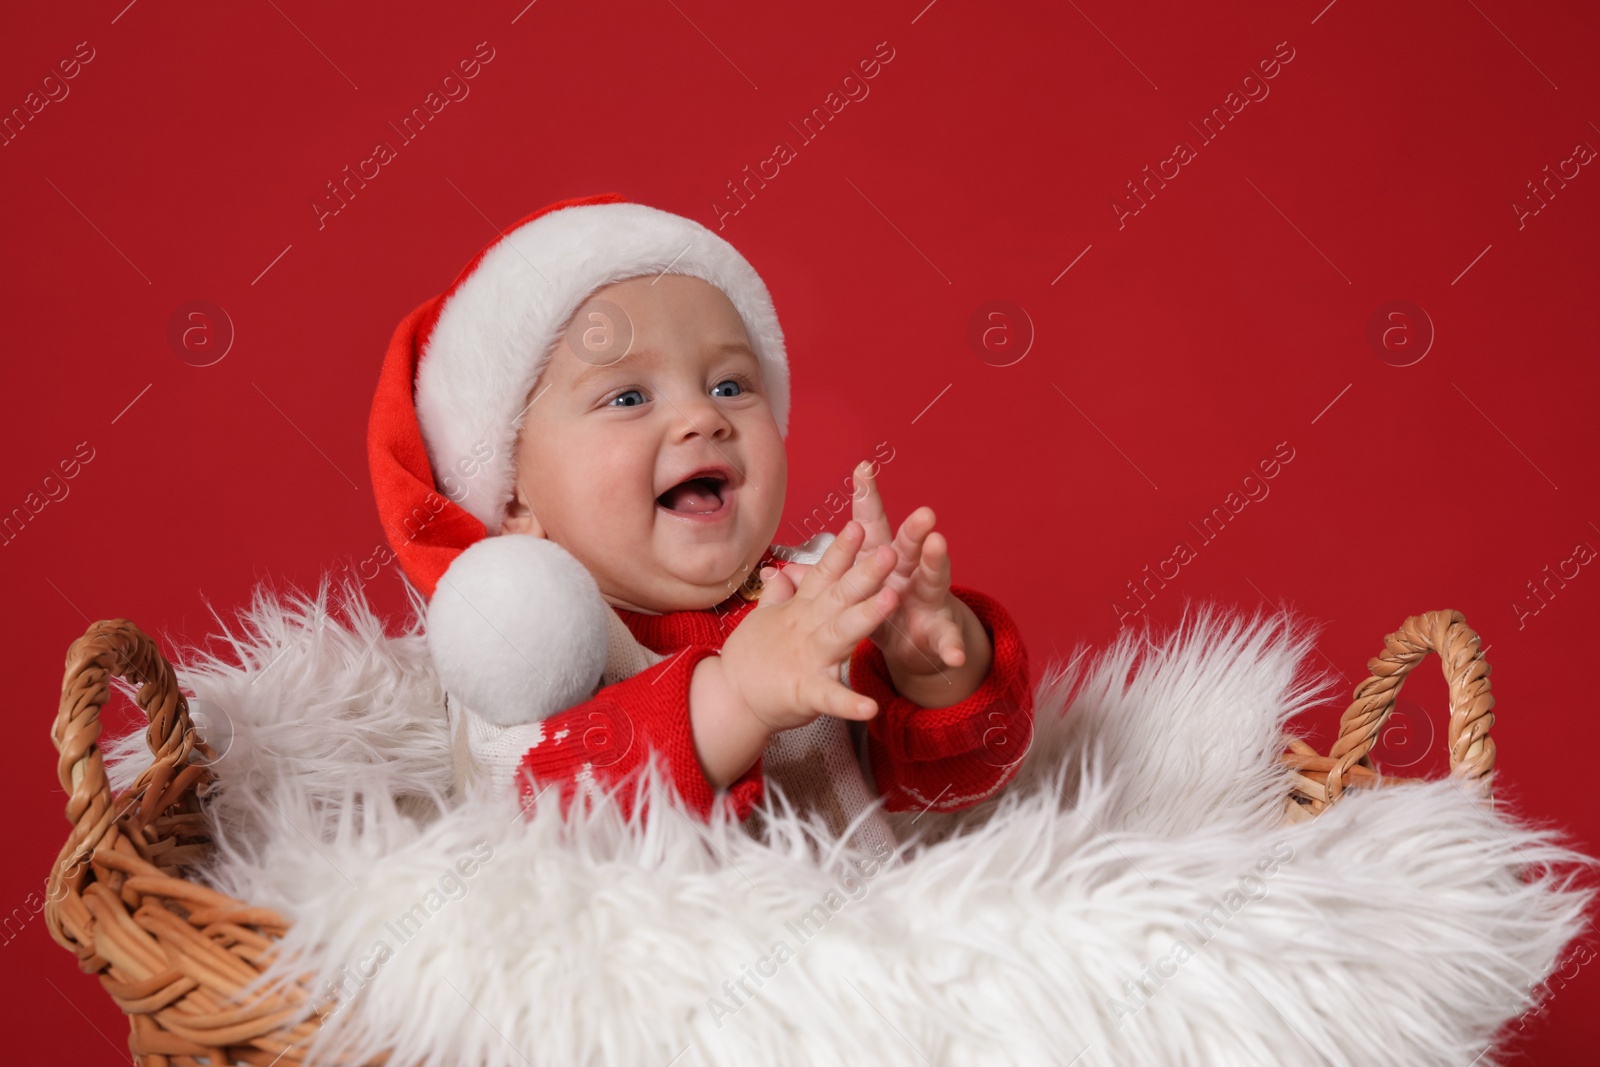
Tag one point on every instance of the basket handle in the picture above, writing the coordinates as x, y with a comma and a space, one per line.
1471, 704
112, 647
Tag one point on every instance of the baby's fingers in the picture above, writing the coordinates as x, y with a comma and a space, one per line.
837, 637
830, 697
949, 644
863, 580
912, 539
931, 580
867, 506
778, 585
792, 573
835, 561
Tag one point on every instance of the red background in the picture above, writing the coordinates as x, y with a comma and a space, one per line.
1228, 315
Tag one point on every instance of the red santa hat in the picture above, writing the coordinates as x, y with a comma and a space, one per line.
514, 626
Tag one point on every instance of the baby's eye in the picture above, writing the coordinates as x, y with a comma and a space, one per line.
739, 380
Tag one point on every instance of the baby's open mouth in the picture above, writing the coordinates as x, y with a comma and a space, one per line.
697, 496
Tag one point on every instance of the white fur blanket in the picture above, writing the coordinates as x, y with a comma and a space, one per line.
1131, 898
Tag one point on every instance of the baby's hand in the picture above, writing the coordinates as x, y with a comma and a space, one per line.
924, 633
783, 658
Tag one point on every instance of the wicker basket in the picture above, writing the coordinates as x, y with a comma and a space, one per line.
174, 954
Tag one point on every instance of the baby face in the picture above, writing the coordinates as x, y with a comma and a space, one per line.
612, 441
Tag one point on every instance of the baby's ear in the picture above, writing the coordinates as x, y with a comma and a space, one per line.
519, 516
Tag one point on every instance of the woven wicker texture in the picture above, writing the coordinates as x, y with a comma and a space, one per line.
1322, 779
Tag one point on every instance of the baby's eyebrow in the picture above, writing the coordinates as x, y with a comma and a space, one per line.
648, 359
597, 370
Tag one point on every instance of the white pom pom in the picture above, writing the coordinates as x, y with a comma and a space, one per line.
517, 629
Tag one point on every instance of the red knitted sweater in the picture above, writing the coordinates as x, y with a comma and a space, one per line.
942, 759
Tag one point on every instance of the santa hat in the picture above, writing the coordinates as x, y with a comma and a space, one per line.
515, 624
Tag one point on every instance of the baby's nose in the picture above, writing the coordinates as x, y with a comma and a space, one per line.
700, 414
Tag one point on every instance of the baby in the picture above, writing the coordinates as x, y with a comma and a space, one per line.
650, 446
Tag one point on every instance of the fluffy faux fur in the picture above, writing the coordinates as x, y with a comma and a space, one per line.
518, 629
493, 334
1131, 898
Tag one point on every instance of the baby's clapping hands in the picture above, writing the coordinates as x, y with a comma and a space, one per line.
779, 668
936, 650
